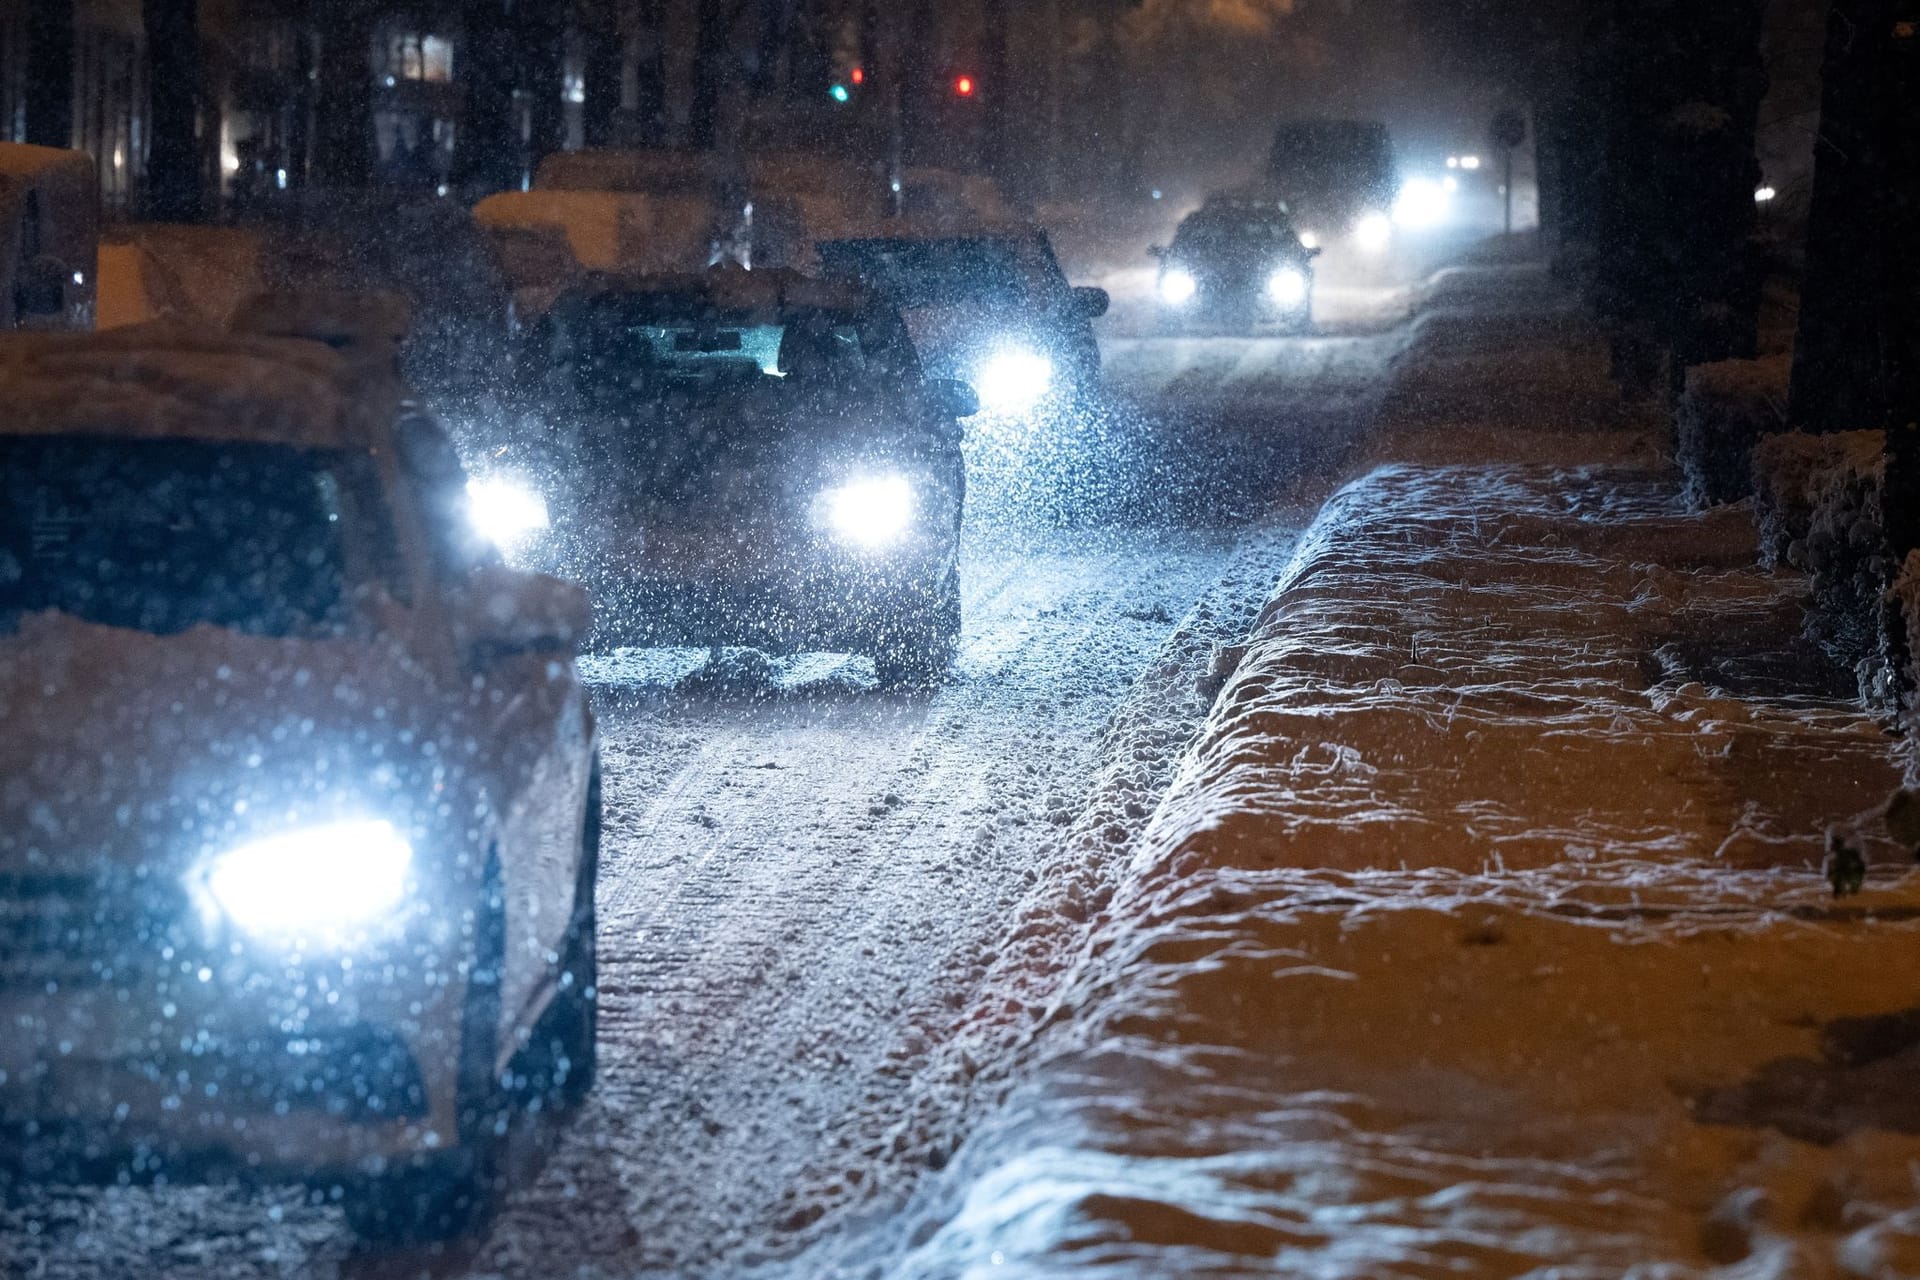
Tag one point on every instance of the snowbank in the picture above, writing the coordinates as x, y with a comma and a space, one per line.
1480, 934
1817, 505
1726, 408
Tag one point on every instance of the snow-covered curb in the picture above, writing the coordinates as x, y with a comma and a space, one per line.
1483, 931
1725, 410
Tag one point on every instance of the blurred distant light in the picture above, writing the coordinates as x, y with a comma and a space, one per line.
1309, 240
280, 179
839, 93
1421, 203
1469, 162
1157, 193
858, 75
1014, 380
1450, 183
1764, 195
1177, 287
1287, 286
964, 86
1373, 233
1453, 162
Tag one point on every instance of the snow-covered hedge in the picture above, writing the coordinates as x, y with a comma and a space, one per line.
1726, 408
1817, 503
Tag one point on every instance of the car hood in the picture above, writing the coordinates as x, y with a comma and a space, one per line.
121, 746
953, 340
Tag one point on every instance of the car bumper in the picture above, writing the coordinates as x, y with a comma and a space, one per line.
295, 1073
778, 596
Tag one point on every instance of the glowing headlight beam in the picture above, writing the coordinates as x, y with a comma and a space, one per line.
1373, 233
325, 884
872, 513
1287, 287
505, 511
1421, 203
1177, 287
1309, 240
1014, 380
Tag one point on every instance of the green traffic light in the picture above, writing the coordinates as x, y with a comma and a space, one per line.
839, 93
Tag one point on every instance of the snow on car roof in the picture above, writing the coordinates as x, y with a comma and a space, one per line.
164, 381
941, 228
732, 290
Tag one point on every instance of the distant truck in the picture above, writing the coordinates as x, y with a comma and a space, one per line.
1339, 180
49, 238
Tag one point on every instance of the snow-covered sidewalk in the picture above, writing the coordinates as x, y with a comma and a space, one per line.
1484, 931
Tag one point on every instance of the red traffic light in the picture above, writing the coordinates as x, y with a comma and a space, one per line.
964, 86
858, 75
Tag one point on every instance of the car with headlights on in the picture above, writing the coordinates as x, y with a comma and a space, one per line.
987, 304
1236, 260
298, 807
1340, 180
749, 458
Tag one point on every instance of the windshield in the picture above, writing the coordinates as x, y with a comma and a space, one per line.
629, 347
930, 273
1233, 233
164, 535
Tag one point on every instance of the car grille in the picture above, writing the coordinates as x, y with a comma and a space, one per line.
61, 932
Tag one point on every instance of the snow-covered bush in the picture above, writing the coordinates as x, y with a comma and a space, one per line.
1817, 502
1726, 408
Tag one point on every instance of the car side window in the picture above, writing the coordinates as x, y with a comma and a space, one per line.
439, 484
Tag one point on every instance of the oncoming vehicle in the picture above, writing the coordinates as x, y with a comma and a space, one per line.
1339, 179
300, 824
1237, 259
987, 305
750, 458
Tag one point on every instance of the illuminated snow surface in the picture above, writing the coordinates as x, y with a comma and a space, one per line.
1483, 932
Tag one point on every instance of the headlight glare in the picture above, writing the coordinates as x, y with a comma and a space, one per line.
1014, 380
1177, 287
1373, 232
327, 885
505, 511
870, 513
1287, 286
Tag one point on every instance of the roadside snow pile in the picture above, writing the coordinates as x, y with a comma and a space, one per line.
1726, 409
1817, 503
1483, 932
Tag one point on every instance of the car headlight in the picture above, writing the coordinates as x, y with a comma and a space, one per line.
505, 511
1373, 232
1177, 287
1287, 286
327, 885
870, 513
1014, 380
1309, 240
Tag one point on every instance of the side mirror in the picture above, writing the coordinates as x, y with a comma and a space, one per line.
505, 611
951, 398
1315, 252
1093, 303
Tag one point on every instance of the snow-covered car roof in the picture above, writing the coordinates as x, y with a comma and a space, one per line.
166, 381
942, 228
731, 290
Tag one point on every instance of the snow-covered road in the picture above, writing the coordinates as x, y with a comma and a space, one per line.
805, 882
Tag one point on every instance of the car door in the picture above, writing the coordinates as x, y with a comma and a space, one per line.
532, 733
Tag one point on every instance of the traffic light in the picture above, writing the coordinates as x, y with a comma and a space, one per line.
964, 86
840, 93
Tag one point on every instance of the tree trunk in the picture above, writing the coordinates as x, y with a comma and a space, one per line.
49, 87
1899, 107
996, 90
1839, 376
486, 148
710, 55
173, 179
343, 116
605, 72
650, 73
540, 36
